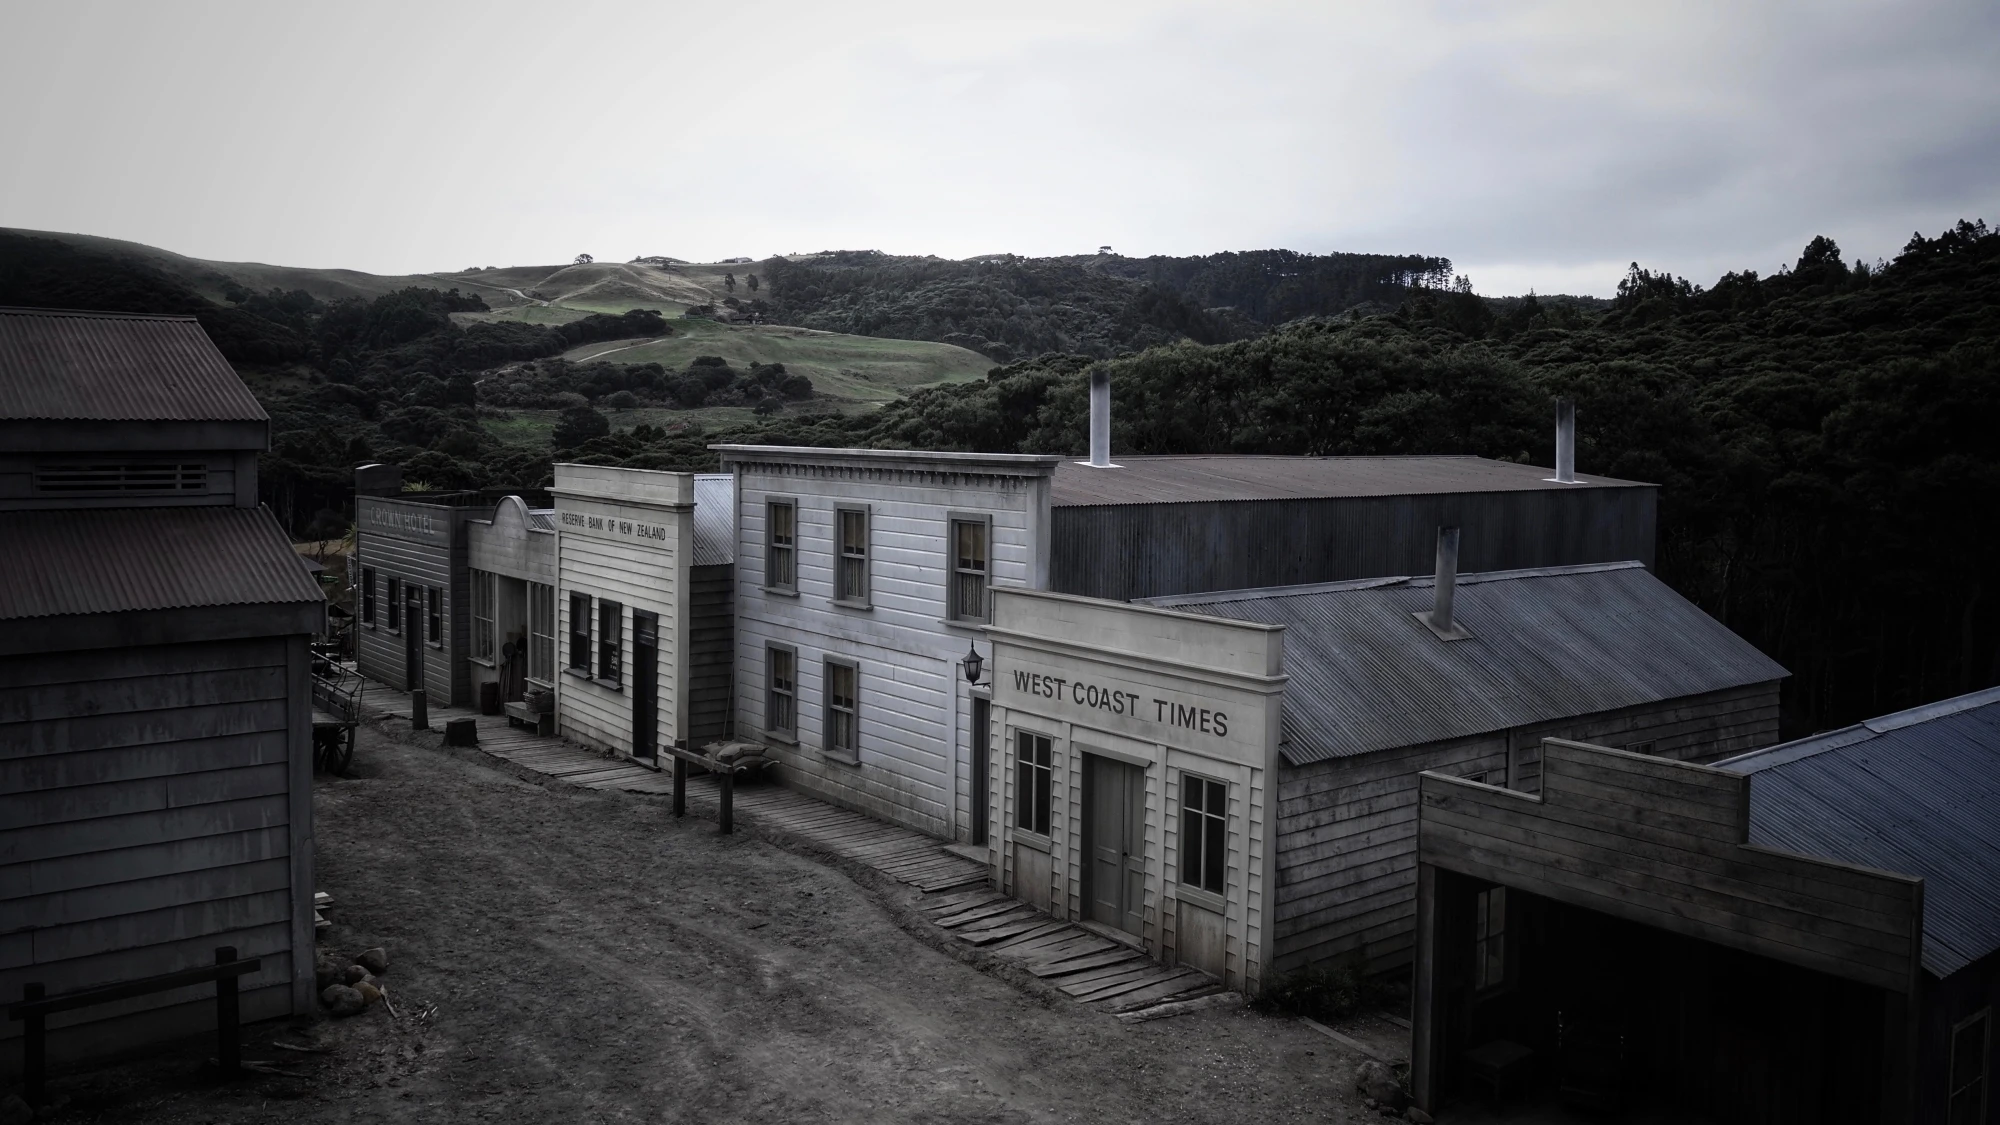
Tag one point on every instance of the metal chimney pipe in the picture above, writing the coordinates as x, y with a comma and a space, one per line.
1447, 579
1100, 419
1565, 441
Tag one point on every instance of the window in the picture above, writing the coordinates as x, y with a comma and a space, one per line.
482, 614
1971, 1046
1031, 782
579, 633
395, 604
1645, 747
1204, 832
781, 563
367, 598
541, 632
851, 582
433, 618
610, 636
1489, 938
968, 570
781, 715
842, 716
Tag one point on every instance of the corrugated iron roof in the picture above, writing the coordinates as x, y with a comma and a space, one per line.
714, 519
1917, 793
113, 560
1185, 479
541, 519
1546, 644
116, 367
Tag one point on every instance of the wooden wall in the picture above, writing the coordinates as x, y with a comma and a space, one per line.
1347, 828
914, 703
435, 561
1154, 550
711, 652
156, 804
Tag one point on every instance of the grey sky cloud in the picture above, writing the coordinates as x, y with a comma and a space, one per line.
1536, 144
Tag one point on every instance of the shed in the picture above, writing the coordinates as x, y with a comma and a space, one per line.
1804, 933
155, 711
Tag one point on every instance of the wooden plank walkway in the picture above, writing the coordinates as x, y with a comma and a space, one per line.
1104, 974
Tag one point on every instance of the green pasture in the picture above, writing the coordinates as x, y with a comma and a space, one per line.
860, 368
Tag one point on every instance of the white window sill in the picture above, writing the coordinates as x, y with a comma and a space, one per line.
779, 591
840, 758
1207, 900
1034, 840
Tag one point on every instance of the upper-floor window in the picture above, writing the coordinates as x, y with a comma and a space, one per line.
851, 581
970, 565
610, 640
579, 633
781, 560
1032, 782
367, 595
1204, 833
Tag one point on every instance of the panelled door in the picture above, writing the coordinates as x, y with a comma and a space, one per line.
1114, 836
414, 623
645, 685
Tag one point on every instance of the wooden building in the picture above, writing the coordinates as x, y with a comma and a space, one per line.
859, 688
511, 583
155, 711
1806, 933
413, 605
644, 618
1292, 724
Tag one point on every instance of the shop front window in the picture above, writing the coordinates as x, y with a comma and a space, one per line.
1204, 833
1032, 782
1489, 938
541, 632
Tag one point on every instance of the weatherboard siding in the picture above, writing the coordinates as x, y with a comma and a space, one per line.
914, 706
156, 805
434, 560
711, 651
1347, 827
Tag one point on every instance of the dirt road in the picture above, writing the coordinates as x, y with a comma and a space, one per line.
566, 955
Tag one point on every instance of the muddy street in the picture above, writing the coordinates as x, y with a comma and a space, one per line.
564, 954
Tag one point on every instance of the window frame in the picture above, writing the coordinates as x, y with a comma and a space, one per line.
1199, 851
395, 616
790, 732
865, 560
1490, 946
954, 608
1984, 1080
829, 710
366, 596
545, 595
1646, 746
610, 643
772, 547
1034, 784
579, 640
434, 617
485, 586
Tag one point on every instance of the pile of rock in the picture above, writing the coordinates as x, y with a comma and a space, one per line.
1381, 1090
347, 989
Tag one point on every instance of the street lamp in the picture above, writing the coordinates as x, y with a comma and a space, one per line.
972, 664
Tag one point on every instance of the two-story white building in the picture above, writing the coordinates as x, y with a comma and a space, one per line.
863, 581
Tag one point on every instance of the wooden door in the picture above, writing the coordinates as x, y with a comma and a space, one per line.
414, 622
981, 735
645, 685
1115, 840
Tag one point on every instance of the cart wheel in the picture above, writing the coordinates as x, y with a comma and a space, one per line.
343, 752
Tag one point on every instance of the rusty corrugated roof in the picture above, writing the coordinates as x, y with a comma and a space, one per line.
1211, 477
115, 367
1917, 793
124, 559
1547, 644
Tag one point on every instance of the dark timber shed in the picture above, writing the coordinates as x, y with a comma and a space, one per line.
155, 751
1802, 934
1161, 526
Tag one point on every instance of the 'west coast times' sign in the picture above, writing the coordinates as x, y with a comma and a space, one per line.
1211, 719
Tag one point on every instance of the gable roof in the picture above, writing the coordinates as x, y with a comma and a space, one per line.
1547, 644
115, 367
1917, 792
1211, 477
61, 563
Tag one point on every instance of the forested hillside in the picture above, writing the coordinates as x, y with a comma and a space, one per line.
1009, 308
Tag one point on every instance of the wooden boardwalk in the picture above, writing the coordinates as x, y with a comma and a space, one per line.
1096, 970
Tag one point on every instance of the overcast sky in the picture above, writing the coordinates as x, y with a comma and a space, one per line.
1541, 145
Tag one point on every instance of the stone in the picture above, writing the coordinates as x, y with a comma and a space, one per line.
375, 960
326, 970
342, 1000
15, 1111
1417, 1115
355, 974
1377, 1081
369, 993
